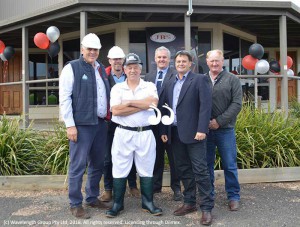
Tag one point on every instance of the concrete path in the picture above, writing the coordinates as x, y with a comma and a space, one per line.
264, 204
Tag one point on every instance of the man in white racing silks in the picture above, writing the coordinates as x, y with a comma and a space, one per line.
134, 139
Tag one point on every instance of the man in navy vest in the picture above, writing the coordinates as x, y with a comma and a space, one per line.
84, 105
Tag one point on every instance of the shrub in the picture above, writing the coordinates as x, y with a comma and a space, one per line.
295, 108
267, 139
57, 150
19, 149
264, 140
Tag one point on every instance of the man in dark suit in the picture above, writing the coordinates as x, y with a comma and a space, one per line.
161, 77
190, 97
115, 75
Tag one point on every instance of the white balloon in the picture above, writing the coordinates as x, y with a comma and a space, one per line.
2, 57
53, 33
262, 66
154, 120
290, 72
166, 120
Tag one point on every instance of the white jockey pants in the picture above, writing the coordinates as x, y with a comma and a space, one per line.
131, 145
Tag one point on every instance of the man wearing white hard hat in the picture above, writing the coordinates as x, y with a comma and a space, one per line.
84, 106
134, 139
115, 75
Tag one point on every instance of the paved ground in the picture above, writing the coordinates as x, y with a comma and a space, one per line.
272, 204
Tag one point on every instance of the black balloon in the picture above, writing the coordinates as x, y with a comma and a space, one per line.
256, 50
274, 66
54, 49
8, 52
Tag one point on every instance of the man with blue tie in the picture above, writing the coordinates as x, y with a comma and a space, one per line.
190, 97
161, 77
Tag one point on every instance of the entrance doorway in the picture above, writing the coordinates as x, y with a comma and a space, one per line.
11, 95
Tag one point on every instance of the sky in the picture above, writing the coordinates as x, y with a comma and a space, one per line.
296, 2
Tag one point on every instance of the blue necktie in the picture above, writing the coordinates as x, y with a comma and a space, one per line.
159, 80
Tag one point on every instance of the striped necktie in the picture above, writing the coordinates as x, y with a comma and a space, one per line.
159, 80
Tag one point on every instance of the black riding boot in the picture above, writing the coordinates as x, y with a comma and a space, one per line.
119, 188
147, 196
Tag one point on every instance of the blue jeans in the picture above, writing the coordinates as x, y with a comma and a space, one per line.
224, 140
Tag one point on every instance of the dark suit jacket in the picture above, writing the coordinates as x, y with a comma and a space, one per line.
170, 75
193, 109
151, 76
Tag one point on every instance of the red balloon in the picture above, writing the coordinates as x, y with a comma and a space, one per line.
289, 62
249, 62
2, 47
41, 40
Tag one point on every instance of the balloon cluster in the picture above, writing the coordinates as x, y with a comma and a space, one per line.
275, 66
6, 53
48, 41
253, 61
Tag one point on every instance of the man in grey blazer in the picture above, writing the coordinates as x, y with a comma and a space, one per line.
161, 77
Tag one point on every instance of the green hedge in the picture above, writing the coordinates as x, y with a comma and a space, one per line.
264, 140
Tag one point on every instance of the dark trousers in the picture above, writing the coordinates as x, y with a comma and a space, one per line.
108, 178
191, 166
89, 152
158, 171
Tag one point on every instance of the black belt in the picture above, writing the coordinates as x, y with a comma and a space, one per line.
136, 129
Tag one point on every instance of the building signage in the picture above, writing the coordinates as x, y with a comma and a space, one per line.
173, 39
163, 37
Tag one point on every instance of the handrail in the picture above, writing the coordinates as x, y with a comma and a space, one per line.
30, 82
239, 76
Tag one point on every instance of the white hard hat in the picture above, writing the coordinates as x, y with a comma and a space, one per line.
91, 40
116, 52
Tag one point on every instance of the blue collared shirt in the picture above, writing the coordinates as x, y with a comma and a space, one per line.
176, 93
119, 80
163, 75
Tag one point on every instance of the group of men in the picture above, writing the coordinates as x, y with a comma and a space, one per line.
106, 113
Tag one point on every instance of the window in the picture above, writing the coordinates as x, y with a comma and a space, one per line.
41, 66
107, 42
137, 45
72, 48
204, 45
235, 49
231, 52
